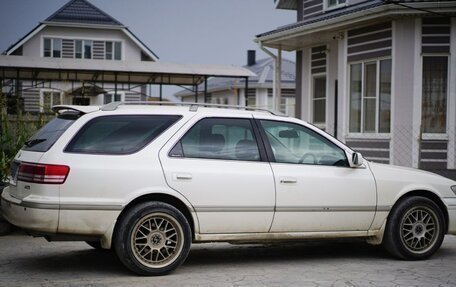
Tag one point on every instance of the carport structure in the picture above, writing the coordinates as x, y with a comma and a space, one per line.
42, 72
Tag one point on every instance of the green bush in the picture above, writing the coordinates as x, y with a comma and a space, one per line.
14, 131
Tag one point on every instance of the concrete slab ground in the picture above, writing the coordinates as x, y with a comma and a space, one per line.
27, 261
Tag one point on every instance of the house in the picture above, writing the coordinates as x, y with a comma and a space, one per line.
84, 33
379, 75
230, 91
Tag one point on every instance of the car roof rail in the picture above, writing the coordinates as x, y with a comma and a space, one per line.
193, 107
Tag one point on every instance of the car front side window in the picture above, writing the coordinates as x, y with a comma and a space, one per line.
219, 138
293, 143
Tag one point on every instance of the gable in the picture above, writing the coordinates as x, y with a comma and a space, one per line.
78, 14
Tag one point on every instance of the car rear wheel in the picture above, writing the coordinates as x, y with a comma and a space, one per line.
415, 229
153, 238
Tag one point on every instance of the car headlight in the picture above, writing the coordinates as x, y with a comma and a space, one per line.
453, 188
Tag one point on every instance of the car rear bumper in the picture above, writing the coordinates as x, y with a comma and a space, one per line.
29, 215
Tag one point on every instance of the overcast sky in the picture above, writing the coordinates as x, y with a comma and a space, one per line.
184, 31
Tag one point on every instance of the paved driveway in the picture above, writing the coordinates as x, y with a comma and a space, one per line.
25, 261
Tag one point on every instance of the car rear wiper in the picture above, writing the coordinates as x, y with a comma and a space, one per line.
33, 142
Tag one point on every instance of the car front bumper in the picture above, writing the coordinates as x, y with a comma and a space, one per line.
451, 207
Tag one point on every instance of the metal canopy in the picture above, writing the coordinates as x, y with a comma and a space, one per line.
140, 72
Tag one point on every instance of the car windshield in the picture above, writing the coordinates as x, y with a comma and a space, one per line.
43, 140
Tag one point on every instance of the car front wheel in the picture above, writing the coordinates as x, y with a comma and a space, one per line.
153, 238
415, 229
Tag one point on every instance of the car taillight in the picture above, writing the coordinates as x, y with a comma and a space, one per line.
43, 173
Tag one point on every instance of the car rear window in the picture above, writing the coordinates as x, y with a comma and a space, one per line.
123, 134
43, 140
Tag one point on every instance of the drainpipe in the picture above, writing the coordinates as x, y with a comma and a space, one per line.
277, 81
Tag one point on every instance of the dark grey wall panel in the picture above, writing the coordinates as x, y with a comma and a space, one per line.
371, 55
369, 42
369, 144
31, 100
377, 150
369, 29
287, 93
67, 48
433, 165
298, 91
318, 59
371, 46
433, 154
435, 35
98, 50
312, 8
434, 145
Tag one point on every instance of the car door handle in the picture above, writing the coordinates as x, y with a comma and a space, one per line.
288, 180
182, 176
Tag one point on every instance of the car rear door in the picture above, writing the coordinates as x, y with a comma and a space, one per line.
218, 165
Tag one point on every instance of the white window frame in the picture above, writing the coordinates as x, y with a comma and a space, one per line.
375, 134
42, 91
312, 99
338, 5
112, 93
113, 42
52, 46
63, 37
436, 136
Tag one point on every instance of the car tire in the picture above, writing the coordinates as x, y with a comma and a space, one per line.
5, 228
415, 229
152, 239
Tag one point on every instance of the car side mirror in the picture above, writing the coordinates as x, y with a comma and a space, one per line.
357, 159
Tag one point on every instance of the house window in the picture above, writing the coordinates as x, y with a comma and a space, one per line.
435, 85
251, 100
49, 99
335, 3
78, 49
52, 47
370, 97
87, 49
113, 50
111, 97
319, 101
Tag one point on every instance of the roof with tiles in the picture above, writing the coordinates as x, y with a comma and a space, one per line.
264, 70
83, 12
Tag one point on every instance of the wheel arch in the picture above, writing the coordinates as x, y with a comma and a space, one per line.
165, 198
429, 195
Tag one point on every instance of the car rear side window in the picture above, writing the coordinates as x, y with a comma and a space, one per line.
117, 135
219, 138
43, 140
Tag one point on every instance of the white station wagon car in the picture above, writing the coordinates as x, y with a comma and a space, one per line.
148, 180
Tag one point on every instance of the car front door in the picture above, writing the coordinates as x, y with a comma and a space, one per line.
219, 167
316, 188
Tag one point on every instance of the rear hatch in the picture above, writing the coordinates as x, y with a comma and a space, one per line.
26, 160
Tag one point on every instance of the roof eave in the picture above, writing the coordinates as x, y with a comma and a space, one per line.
24, 39
280, 5
83, 25
272, 40
143, 46
266, 85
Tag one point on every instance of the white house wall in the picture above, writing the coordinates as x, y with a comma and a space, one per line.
34, 47
403, 99
452, 100
306, 84
331, 77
